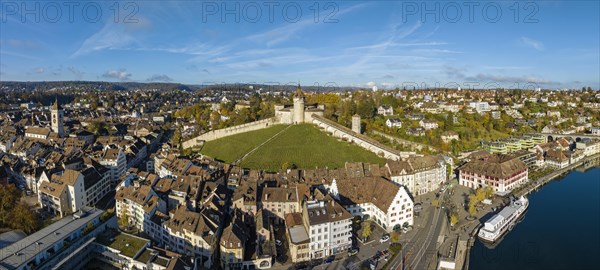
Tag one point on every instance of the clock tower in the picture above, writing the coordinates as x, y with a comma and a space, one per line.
57, 119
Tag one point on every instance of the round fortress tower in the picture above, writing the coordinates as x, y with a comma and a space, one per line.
298, 116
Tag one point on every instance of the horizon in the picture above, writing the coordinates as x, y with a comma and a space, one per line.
345, 44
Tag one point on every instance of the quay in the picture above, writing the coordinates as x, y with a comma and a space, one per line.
549, 177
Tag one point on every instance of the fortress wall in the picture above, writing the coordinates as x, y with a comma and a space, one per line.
341, 132
220, 133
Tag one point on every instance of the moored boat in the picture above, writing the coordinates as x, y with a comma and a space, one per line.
505, 220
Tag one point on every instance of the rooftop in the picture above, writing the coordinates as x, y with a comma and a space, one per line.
21, 252
128, 245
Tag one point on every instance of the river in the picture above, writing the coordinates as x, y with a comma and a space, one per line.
560, 230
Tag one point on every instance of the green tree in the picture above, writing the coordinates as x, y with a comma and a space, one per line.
366, 108
89, 228
366, 230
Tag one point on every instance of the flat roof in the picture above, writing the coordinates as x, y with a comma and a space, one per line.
128, 245
21, 252
298, 235
498, 218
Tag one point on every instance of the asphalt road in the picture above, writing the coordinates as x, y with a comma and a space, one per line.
420, 249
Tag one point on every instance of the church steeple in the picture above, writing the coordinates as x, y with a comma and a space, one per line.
57, 118
56, 106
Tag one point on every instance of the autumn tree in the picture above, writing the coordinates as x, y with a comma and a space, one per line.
472, 210
366, 230
15, 214
453, 218
123, 218
9, 196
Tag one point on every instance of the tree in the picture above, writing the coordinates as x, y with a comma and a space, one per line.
215, 119
96, 127
453, 218
24, 219
176, 136
395, 237
366, 108
123, 218
472, 210
366, 230
89, 228
9, 196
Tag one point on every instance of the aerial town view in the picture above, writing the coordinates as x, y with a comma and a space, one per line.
240, 135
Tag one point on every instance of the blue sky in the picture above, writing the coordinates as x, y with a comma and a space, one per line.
548, 44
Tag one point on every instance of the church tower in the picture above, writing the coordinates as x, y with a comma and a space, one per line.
298, 116
57, 119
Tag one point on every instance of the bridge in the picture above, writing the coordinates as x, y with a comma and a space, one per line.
576, 136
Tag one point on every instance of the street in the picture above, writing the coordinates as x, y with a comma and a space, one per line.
419, 249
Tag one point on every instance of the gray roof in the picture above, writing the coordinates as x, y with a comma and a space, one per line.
11, 237
21, 252
298, 235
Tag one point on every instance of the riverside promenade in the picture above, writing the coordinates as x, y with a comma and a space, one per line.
525, 190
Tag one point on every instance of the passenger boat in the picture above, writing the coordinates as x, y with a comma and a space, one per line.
499, 224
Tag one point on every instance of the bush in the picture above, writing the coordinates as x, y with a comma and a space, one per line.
395, 248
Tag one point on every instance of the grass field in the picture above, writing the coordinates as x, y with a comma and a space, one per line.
307, 147
303, 145
233, 147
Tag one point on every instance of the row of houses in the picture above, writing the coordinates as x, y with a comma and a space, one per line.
504, 172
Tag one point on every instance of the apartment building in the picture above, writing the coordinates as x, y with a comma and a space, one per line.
329, 227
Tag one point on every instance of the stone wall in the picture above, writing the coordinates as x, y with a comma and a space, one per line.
348, 135
220, 133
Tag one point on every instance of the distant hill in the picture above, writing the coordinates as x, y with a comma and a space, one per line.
89, 85
120, 86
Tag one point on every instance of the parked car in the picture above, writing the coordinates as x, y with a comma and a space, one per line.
278, 242
330, 259
386, 255
352, 252
384, 238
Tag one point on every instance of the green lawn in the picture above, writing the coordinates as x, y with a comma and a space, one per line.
307, 147
233, 147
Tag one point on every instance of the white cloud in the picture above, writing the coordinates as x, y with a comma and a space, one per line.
538, 45
289, 30
113, 36
120, 74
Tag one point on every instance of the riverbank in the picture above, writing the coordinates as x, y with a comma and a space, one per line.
526, 190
